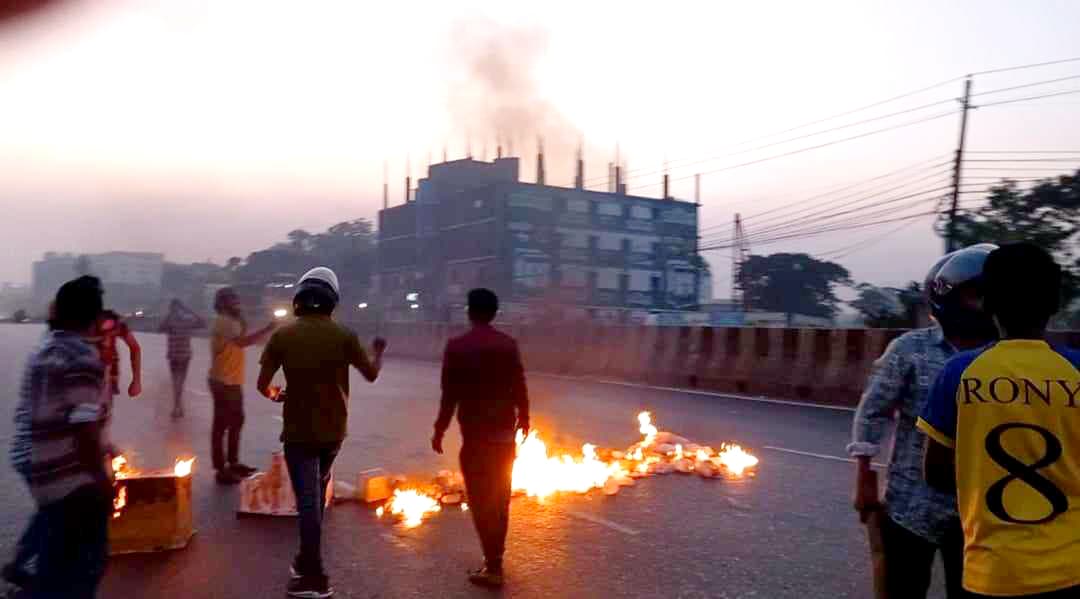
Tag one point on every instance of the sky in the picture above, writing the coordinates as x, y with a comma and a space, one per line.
206, 130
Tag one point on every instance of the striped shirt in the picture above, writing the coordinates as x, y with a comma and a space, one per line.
63, 386
178, 330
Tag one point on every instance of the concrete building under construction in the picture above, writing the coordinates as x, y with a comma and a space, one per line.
551, 253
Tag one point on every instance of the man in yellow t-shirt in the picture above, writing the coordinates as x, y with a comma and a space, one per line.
1004, 429
228, 338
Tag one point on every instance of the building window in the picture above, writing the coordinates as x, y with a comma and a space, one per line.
581, 206
641, 212
654, 283
478, 204
609, 209
593, 242
626, 246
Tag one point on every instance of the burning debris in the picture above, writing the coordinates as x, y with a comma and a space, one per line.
540, 475
151, 509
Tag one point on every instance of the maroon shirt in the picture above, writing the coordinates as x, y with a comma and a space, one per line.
483, 378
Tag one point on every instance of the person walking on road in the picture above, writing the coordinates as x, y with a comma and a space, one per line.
484, 380
111, 328
915, 521
316, 353
228, 339
60, 447
1003, 434
178, 326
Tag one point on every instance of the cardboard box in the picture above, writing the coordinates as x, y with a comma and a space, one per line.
156, 515
270, 493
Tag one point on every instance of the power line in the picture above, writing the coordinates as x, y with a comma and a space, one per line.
1075, 159
793, 139
811, 148
1026, 85
786, 228
828, 230
809, 217
1023, 152
823, 120
1027, 66
846, 251
835, 190
1028, 98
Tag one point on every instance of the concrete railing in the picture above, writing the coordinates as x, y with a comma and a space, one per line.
827, 366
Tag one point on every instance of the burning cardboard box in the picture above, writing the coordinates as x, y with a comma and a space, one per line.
151, 510
270, 493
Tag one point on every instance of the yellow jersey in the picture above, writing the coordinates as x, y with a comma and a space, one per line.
1011, 411
226, 354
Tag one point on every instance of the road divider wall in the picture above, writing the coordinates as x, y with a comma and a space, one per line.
824, 366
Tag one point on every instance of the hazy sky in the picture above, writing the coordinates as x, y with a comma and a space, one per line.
211, 129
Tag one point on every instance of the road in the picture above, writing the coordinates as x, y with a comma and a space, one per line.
789, 533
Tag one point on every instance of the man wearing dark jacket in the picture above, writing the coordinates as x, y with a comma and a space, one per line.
483, 379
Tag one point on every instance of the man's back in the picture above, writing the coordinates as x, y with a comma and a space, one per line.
483, 376
1011, 410
315, 352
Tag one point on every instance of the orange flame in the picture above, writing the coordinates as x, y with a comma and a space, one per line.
119, 501
183, 467
736, 459
411, 506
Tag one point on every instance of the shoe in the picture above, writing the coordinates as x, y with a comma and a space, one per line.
310, 587
486, 577
16, 575
242, 470
226, 477
294, 570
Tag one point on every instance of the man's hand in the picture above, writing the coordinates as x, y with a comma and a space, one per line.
436, 443
379, 345
135, 388
867, 499
277, 394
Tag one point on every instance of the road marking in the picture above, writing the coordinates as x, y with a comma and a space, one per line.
819, 455
783, 402
278, 418
603, 522
370, 471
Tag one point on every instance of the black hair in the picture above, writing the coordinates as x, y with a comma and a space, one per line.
78, 304
1023, 287
483, 305
220, 298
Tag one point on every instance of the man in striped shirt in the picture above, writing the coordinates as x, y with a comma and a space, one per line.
59, 446
178, 326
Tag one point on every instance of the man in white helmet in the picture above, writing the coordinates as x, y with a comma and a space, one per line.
315, 353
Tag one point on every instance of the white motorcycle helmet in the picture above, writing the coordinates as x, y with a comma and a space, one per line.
317, 291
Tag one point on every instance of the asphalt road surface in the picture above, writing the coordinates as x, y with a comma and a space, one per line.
789, 533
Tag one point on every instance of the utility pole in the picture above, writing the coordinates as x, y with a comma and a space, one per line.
950, 226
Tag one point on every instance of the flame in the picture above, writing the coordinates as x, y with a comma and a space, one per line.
119, 501
183, 467
735, 459
702, 455
411, 506
678, 451
647, 428
539, 475
120, 466
464, 507
379, 511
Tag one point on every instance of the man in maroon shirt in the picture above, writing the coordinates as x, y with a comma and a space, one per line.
482, 377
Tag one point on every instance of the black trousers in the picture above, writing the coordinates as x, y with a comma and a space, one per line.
488, 468
74, 545
228, 420
909, 562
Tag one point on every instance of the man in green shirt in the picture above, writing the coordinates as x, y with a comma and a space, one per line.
315, 353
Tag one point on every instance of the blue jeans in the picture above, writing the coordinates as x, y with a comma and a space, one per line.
75, 544
309, 468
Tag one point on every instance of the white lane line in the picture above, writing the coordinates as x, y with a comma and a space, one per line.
601, 521
278, 418
783, 402
819, 455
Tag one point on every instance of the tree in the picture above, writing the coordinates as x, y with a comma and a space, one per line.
792, 283
1047, 215
889, 307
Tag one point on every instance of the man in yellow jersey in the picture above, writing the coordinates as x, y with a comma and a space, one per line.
1004, 428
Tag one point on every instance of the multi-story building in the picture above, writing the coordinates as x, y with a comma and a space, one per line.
550, 252
132, 280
